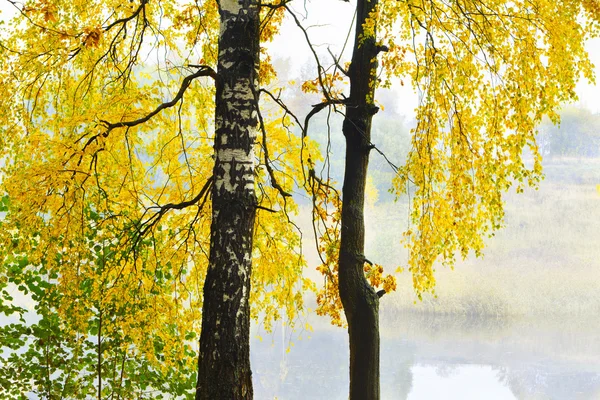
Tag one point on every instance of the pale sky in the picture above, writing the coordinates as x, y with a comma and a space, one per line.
328, 26
329, 22
589, 95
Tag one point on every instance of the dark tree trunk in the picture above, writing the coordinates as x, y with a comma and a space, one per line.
361, 303
224, 361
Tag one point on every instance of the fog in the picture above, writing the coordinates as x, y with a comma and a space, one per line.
443, 357
519, 323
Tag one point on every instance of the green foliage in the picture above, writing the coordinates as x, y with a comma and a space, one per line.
53, 356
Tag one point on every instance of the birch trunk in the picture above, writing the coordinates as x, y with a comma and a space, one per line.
224, 361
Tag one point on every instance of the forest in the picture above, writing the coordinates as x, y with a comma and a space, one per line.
227, 199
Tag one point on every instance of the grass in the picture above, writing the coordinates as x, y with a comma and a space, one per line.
545, 261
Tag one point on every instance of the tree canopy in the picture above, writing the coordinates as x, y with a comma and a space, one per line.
107, 144
107, 141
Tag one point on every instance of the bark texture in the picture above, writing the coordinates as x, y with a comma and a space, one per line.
361, 303
224, 360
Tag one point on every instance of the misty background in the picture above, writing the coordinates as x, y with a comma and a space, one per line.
519, 323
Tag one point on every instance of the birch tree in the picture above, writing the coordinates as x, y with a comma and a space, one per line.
224, 363
132, 180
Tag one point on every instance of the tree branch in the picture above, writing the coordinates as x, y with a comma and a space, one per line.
203, 70
337, 62
317, 108
127, 19
275, 6
144, 227
320, 68
274, 182
259, 207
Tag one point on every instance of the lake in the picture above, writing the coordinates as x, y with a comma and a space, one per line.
439, 357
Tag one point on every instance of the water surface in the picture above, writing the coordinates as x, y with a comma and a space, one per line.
440, 357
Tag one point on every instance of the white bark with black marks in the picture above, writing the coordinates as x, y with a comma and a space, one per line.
224, 361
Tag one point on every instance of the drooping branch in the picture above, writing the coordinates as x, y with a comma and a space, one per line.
274, 182
320, 69
118, 37
316, 185
336, 61
129, 18
203, 70
316, 108
277, 99
184, 204
145, 226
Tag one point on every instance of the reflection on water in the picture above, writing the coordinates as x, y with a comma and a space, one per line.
465, 382
441, 357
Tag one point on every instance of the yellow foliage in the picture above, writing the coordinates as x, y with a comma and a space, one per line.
484, 80
94, 197
87, 201
485, 73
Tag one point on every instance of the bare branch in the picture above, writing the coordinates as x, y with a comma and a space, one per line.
143, 227
265, 208
275, 6
127, 19
320, 68
274, 182
277, 99
317, 108
337, 62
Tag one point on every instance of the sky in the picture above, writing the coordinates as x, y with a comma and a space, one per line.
589, 95
328, 25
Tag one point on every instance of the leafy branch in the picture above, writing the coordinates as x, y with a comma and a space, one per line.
203, 70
